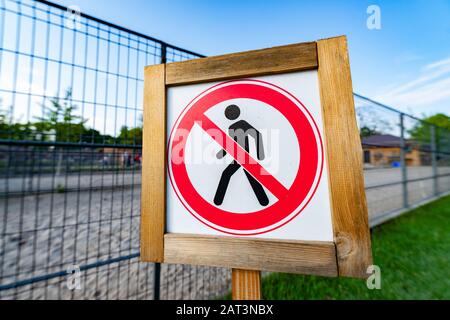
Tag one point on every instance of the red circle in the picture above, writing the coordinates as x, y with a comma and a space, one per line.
309, 144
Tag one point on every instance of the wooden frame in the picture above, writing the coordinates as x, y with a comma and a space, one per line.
350, 252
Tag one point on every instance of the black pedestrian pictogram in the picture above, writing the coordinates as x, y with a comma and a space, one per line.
240, 131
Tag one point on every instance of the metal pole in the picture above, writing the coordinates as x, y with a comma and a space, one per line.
403, 162
163, 53
156, 281
157, 270
434, 158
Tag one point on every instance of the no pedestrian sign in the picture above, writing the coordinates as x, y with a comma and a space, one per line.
252, 161
245, 157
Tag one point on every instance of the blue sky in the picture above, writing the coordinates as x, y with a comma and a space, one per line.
405, 64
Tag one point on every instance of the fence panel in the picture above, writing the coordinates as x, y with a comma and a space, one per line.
70, 155
406, 160
71, 125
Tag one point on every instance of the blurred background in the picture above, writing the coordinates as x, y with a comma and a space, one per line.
70, 156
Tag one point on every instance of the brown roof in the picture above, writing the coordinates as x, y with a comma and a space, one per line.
387, 140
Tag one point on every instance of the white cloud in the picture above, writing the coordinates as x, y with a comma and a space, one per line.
437, 64
431, 86
406, 57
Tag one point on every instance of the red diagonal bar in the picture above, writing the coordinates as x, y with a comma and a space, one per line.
242, 157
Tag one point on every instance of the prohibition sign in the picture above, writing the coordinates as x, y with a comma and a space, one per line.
291, 200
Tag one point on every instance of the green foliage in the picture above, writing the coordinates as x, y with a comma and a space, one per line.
130, 136
371, 123
11, 130
16, 131
440, 120
412, 252
367, 132
59, 120
59, 123
4, 125
3, 113
60, 188
94, 136
422, 130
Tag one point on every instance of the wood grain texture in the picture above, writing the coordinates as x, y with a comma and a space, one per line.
343, 148
306, 257
153, 197
245, 284
288, 58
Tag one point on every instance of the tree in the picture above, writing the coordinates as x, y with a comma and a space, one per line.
94, 136
60, 123
370, 122
422, 130
13, 131
367, 132
130, 136
4, 125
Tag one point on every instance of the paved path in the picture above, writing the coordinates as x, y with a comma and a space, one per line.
48, 232
24, 184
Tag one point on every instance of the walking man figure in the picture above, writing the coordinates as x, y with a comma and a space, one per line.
240, 131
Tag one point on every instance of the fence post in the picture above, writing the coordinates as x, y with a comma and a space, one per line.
434, 158
156, 281
403, 162
163, 53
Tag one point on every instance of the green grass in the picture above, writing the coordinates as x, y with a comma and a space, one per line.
413, 252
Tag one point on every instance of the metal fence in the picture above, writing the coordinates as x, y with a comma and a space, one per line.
70, 148
406, 159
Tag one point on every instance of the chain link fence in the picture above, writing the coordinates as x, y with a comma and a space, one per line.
70, 156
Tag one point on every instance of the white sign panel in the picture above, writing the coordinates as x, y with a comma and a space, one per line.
246, 158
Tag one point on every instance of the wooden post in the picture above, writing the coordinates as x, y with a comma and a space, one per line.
153, 200
343, 151
246, 284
